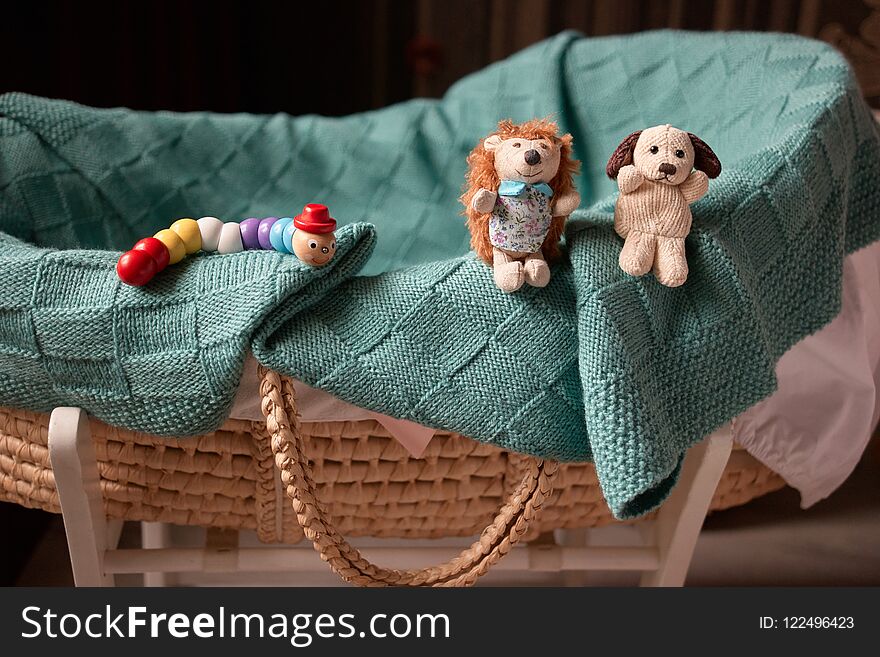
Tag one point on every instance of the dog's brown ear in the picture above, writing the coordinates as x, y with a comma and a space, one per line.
622, 155
704, 157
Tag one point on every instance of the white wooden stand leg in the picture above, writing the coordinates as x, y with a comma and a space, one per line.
75, 466
577, 538
680, 519
663, 557
156, 535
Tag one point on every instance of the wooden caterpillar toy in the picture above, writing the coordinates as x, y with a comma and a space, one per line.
309, 236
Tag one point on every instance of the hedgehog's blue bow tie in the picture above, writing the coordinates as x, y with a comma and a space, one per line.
517, 187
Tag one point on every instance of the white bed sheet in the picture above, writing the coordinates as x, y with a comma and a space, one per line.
812, 430
815, 427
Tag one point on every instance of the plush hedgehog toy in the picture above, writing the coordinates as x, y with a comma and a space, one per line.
520, 189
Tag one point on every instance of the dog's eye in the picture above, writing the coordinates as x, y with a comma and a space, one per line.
313, 244
654, 150
679, 153
516, 144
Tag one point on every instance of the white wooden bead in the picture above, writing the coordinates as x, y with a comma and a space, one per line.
210, 228
230, 238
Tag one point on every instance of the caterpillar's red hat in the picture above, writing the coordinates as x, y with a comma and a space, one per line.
315, 218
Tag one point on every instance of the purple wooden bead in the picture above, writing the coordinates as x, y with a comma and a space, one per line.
263, 232
249, 238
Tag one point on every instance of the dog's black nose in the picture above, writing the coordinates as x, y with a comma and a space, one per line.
532, 157
668, 169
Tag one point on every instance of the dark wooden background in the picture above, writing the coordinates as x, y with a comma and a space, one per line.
334, 57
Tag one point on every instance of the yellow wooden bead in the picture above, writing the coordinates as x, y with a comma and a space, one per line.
189, 232
176, 247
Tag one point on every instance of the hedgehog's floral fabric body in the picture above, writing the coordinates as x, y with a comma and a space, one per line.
521, 218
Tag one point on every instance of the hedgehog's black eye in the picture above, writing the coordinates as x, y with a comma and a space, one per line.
679, 153
654, 150
543, 145
516, 144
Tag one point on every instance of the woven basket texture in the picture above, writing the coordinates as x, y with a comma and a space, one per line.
367, 480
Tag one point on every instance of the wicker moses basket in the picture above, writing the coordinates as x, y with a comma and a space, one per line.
367, 484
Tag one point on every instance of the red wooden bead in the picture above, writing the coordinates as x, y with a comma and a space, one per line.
136, 268
157, 250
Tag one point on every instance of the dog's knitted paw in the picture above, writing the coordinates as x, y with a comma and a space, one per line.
637, 254
671, 278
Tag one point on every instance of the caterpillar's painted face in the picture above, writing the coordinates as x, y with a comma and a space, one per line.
524, 160
312, 249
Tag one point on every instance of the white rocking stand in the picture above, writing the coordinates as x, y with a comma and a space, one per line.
95, 557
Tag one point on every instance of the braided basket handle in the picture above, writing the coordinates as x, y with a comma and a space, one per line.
496, 540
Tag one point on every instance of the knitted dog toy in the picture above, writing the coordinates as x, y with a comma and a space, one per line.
309, 235
657, 186
520, 190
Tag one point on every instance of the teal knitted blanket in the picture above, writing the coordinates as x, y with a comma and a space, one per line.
596, 366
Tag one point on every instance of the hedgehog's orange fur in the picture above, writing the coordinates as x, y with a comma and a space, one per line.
481, 174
